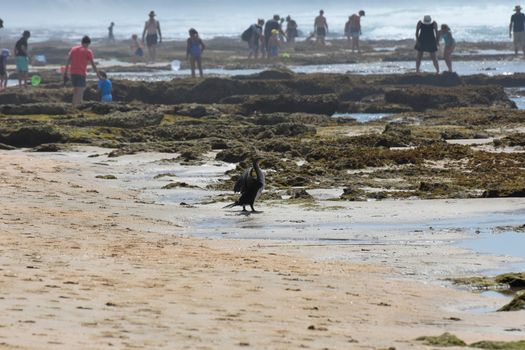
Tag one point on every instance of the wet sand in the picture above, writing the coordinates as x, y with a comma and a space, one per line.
90, 263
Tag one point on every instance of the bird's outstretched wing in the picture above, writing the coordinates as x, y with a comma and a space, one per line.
243, 182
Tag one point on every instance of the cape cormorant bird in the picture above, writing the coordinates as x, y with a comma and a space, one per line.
250, 185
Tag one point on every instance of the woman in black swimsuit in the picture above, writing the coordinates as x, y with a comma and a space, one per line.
426, 34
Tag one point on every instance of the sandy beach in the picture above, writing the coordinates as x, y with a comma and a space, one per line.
90, 263
391, 197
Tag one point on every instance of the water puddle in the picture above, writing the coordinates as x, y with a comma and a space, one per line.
487, 67
519, 101
362, 117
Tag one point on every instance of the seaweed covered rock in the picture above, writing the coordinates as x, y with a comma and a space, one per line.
517, 303
290, 103
32, 136
503, 192
126, 120
35, 109
195, 110
445, 79
395, 135
441, 98
272, 74
445, 339
107, 108
233, 155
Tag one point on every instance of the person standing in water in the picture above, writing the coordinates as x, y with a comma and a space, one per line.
153, 36
194, 49
78, 59
291, 31
426, 41
450, 44
111, 36
517, 28
22, 58
256, 39
272, 24
321, 27
353, 29
4, 54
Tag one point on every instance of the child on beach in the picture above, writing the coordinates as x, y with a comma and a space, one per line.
450, 44
105, 87
4, 54
194, 50
137, 52
273, 44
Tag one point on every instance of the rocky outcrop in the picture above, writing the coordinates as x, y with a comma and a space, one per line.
31, 136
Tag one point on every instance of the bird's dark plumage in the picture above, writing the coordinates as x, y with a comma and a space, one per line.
250, 185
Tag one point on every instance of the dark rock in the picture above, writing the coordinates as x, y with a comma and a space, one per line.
300, 193
317, 104
421, 99
126, 120
32, 136
504, 193
177, 185
353, 194
49, 147
35, 109
514, 280
433, 186
123, 151
233, 155
273, 74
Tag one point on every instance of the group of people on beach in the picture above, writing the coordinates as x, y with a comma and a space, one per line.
428, 38
152, 36
262, 37
268, 37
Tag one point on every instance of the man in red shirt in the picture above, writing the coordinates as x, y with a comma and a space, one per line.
79, 57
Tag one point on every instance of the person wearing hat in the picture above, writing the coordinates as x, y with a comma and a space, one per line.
22, 58
273, 44
426, 41
153, 36
78, 59
517, 28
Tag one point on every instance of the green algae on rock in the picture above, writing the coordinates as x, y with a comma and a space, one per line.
516, 304
499, 345
445, 340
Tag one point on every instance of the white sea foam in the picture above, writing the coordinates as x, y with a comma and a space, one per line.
70, 19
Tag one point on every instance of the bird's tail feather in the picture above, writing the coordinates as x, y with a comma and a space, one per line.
230, 205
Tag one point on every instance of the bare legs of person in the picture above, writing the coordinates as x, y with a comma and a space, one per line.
434, 61
355, 44
418, 60
447, 56
320, 39
22, 79
253, 51
78, 96
152, 51
197, 60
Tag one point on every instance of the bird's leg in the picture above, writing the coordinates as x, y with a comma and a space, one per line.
253, 210
244, 208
